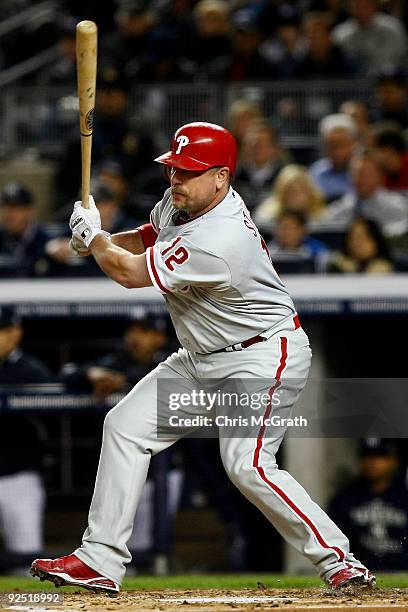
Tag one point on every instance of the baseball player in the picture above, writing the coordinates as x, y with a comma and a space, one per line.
234, 319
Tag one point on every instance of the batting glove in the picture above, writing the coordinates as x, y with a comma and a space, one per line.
78, 247
85, 223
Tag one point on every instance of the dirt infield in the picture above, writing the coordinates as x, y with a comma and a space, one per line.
243, 600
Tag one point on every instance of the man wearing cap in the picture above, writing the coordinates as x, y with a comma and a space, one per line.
22, 497
142, 350
22, 238
237, 324
373, 508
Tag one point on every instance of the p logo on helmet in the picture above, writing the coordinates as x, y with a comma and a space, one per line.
182, 142
209, 146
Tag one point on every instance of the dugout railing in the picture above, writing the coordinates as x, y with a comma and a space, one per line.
39, 117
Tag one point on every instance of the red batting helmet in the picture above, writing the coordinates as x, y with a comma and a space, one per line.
200, 146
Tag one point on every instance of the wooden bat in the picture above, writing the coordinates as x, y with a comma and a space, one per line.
86, 51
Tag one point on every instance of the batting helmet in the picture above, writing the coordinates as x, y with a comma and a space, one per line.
200, 146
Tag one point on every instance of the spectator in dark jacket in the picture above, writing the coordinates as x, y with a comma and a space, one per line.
22, 497
246, 62
22, 238
392, 98
365, 251
141, 350
373, 509
322, 59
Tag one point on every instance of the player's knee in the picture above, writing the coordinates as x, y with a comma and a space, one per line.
237, 468
243, 471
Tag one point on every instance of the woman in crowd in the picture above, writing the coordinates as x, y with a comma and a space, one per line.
294, 190
365, 251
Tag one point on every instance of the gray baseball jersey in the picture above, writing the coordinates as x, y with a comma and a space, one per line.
216, 275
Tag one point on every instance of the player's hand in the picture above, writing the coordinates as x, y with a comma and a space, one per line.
104, 381
78, 247
85, 223
58, 250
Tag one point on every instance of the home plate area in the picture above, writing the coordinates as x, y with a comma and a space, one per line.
289, 600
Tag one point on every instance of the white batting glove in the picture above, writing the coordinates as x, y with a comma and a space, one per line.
78, 247
85, 223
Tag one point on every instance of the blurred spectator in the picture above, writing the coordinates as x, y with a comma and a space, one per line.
129, 44
322, 59
389, 144
162, 63
373, 509
110, 173
175, 18
210, 45
101, 12
261, 160
331, 173
241, 114
142, 349
22, 496
22, 238
392, 98
294, 190
374, 40
358, 111
147, 190
63, 71
369, 199
165, 59
365, 251
335, 9
291, 241
113, 218
246, 62
114, 136
284, 47
62, 261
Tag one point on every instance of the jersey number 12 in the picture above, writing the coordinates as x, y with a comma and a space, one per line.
178, 257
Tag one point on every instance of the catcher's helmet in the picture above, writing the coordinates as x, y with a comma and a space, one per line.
200, 146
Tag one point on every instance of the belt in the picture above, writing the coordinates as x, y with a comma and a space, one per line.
254, 340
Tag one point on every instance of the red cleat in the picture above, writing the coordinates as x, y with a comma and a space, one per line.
350, 577
70, 570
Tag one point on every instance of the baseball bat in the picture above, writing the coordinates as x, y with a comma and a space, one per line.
86, 50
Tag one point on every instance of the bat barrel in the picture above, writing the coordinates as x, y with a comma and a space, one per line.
86, 49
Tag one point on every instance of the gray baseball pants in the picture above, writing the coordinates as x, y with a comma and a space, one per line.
130, 439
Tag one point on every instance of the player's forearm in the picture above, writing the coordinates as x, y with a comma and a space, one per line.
123, 267
131, 241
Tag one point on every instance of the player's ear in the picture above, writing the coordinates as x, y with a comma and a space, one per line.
223, 175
